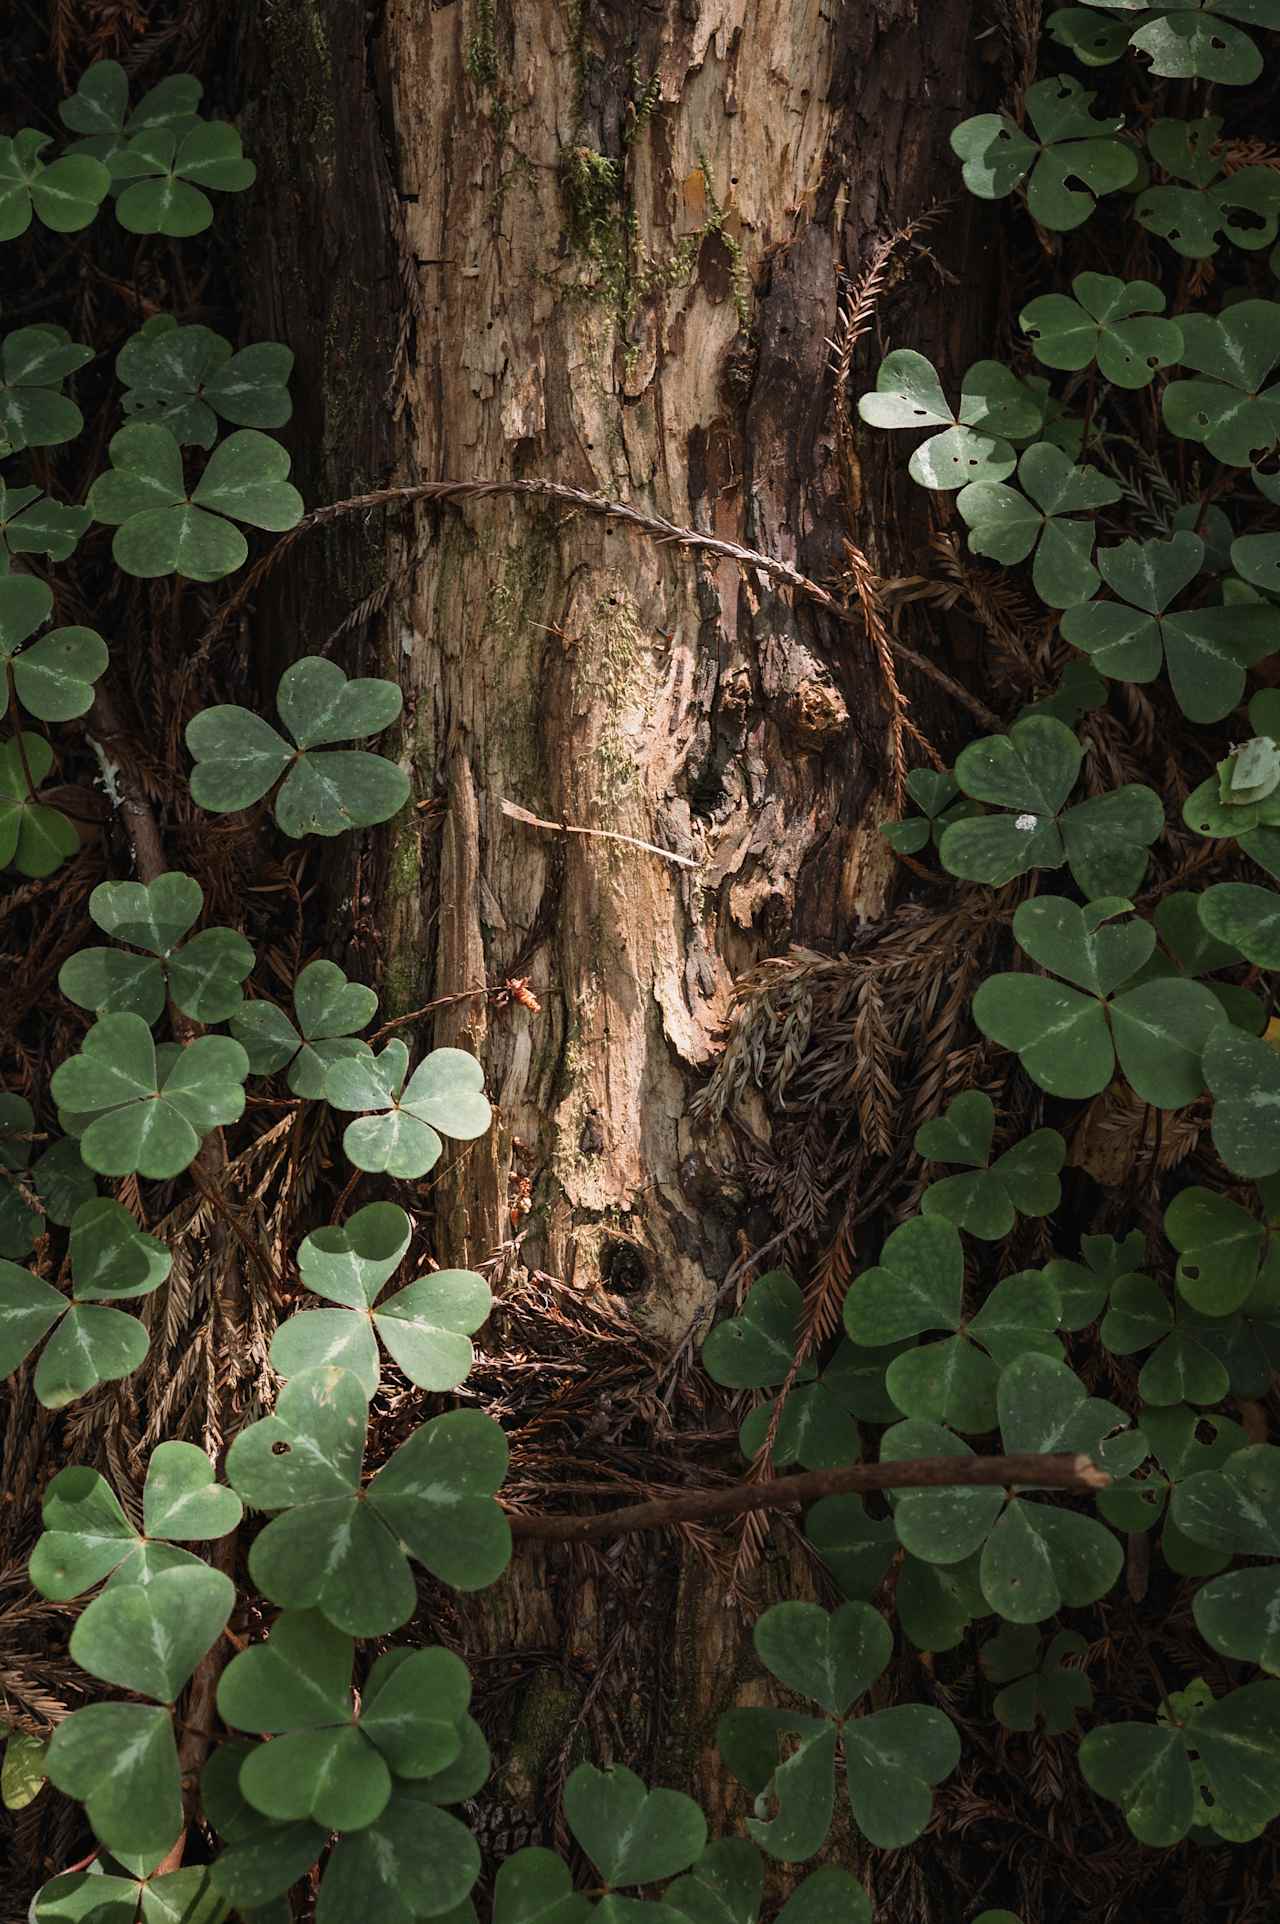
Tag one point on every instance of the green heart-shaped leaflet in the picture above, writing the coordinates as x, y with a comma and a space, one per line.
443, 1096
1072, 146
35, 838
120, 1761
1243, 1076
133, 1115
1229, 409
756, 1349
239, 757
111, 1258
1037, 1688
425, 1326
414, 1861
327, 1765
1030, 772
1006, 525
53, 678
534, 1886
203, 976
33, 364
1067, 1041
1111, 321
974, 444
169, 169
183, 378
66, 193
186, 1896
329, 1009
1206, 650
632, 1835
893, 1757
87, 1536
725, 1886
261, 1859
32, 523
857, 1549
100, 103
1034, 1557
1237, 1509
341, 1549
1147, 1768
149, 1637
918, 1284
1221, 1247
1195, 41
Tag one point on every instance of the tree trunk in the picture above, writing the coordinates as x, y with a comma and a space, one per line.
602, 244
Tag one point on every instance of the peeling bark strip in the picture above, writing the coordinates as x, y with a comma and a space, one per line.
1054, 1472
599, 244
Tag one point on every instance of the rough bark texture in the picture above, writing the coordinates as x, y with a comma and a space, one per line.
601, 242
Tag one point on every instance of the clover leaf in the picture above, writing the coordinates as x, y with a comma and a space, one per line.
815, 1424
99, 108
1083, 1287
102, 1897
239, 757
53, 678
138, 1109
444, 1095
1245, 918
1094, 42
32, 523
918, 1285
1110, 321
1215, 1763
1256, 559
1136, 1502
261, 1859
939, 802
1191, 951
1236, 1507
1228, 409
974, 444
1223, 1250
424, 1326
169, 168
329, 1010
87, 1537
756, 1348
1180, 1369
413, 1861
342, 1548
163, 528
1247, 1343
202, 976
64, 194
1194, 39
120, 1759
1007, 525
1070, 146
34, 362
111, 1259
54, 1186
1243, 1076
857, 1549
1035, 1555
328, 1764
534, 1886
1068, 1039
36, 838
1210, 200
1038, 1688
632, 1835
1030, 772
988, 1200
1206, 650
893, 1757
184, 378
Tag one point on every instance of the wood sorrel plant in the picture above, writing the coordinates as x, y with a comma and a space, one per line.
1166, 991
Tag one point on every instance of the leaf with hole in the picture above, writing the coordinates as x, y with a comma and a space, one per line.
136, 1110
1243, 204
341, 1547
1113, 322
1037, 1686
1207, 1762
1223, 1250
1070, 146
1180, 1448
974, 444
328, 1010
239, 757
31, 522
1228, 409
443, 1096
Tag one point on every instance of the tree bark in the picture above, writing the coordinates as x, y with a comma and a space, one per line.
602, 243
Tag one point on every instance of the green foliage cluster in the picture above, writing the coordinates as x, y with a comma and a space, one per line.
360, 1766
